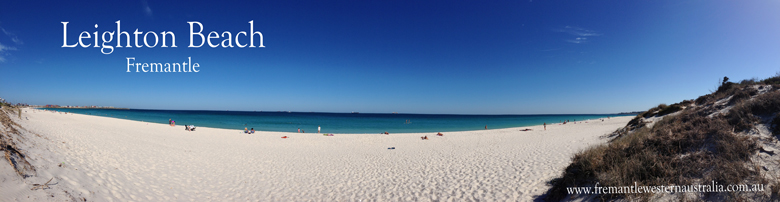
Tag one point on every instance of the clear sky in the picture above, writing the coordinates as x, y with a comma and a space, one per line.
453, 57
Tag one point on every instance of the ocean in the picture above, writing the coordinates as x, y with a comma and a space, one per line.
334, 122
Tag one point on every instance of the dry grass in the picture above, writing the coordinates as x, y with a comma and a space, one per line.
670, 109
745, 114
682, 149
775, 124
676, 151
653, 111
745, 93
660, 110
14, 157
42, 186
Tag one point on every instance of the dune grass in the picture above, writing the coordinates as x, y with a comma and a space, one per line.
686, 148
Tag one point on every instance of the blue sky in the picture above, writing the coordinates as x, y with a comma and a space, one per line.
453, 57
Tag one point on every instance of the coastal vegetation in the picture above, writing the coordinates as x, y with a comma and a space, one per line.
9, 135
715, 138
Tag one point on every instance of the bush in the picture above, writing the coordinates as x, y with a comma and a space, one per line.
746, 82
740, 119
743, 94
653, 111
660, 110
727, 86
775, 124
686, 102
675, 151
682, 149
766, 104
703, 99
670, 109
772, 80
636, 122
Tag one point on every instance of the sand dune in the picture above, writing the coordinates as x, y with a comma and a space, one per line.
108, 159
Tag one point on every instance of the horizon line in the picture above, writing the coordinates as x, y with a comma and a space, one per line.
353, 112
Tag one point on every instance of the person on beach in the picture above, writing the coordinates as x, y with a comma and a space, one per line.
170, 122
318, 129
299, 130
246, 130
485, 127
545, 125
252, 131
173, 123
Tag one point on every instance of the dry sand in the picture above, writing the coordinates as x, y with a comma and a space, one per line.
109, 159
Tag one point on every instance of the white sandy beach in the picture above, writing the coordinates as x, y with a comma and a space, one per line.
109, 159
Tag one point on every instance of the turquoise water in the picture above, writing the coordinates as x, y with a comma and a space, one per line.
333, 122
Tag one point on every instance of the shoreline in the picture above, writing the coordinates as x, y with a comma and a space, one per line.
380, 130
110, 158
